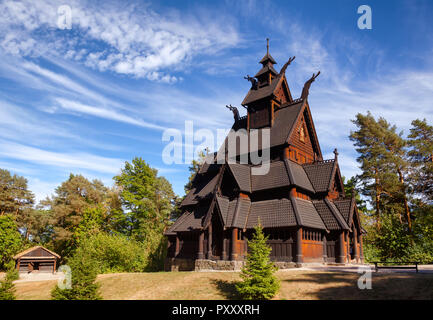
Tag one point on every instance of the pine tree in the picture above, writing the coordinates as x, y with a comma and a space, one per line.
382, 155
194, 168
421, 157
16, 200
149, 201
83, 276
7, 287
72, 199
259, 281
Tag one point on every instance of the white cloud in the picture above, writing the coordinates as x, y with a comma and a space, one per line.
104, 113
132, 39
58, 159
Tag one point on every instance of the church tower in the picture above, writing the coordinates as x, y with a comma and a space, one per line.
300, 202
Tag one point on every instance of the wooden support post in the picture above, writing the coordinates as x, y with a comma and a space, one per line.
299, 254
348, 256
209, 242
361, 249
18, 264
200, 254
325, 252
341, 257
177, 246
245, 244
234, 253
224, 253
355, 245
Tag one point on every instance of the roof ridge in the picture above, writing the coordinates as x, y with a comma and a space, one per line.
337, 214
321, 218
289, 172
318, 162
333, 172
235, 214
296, 210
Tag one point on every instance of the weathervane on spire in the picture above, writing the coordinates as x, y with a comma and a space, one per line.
267, 45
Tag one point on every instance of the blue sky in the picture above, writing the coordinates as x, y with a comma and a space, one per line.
86, 100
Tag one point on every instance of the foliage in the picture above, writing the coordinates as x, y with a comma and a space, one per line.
392, 239
7, 287
384, 167
194, 168
259, 281
148, 201
115, 253
75, 199
421, 156
397, 178
10, 240
16, 199
83, 277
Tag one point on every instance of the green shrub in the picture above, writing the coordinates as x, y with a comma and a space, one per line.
7, 288
83, 276
112, 253
259, 281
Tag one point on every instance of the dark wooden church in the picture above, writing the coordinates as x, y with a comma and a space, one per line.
300, 202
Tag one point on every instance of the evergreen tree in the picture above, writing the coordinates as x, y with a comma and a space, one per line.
384, 167
421, 157
83, 277
72, 200
16, 200
7, 287
194, 168
149, 202
259, 282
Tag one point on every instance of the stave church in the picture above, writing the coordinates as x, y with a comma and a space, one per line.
300, 202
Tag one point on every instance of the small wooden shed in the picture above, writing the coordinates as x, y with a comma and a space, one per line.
36, 259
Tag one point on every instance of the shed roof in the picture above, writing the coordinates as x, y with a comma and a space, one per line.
25, 252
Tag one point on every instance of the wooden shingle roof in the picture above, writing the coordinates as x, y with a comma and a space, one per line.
307, 214
272, 213
320, 174
35, 248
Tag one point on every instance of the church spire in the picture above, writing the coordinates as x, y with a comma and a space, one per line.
267, 72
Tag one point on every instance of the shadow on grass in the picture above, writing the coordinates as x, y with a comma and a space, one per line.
344, 286
227, 288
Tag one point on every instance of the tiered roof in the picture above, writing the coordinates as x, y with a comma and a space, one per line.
252, 197
241, 212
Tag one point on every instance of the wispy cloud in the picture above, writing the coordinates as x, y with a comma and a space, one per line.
131, 39
104, 113
71, 161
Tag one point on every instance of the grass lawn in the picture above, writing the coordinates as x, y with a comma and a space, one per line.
220, 285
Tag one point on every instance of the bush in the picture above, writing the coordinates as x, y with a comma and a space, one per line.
112, 253
10, 240
83, 276
259, 281
7, 288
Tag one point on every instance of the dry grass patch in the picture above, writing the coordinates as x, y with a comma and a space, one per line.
295, 285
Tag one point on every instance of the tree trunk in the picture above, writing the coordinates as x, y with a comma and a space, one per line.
376, 179
406, 205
